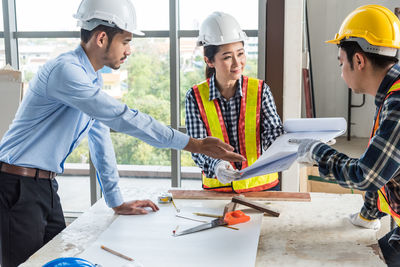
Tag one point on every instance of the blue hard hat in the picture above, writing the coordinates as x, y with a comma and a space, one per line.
70, 262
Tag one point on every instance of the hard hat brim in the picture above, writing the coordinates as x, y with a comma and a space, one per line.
334, 41
137, 32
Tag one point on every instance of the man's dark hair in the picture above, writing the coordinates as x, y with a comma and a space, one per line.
378, 61
110, 31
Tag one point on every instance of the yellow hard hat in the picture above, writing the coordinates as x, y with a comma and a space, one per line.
376, 24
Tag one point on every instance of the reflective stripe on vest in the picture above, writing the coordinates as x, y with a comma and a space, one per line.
248, 130
383, 202
383, 205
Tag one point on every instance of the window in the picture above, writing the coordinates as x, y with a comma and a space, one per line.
192, 12
152, 15
2, 53
148, 77
46, 15
143, 81
2, 49
1, 21
147, 91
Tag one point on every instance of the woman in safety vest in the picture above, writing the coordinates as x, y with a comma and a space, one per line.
234, 108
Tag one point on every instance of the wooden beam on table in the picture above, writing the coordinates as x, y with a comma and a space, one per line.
263, 195
254, 205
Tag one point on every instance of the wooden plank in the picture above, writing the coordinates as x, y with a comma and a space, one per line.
263, 195
254, 205
325, 187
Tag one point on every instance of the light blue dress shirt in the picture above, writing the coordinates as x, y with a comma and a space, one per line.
65, 103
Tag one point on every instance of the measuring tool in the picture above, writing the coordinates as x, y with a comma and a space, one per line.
167, 198
230, 218
164, 198
173, 203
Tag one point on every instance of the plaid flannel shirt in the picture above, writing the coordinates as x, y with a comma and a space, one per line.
380, 163
271, 125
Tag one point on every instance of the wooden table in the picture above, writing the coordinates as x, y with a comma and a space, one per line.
315, 233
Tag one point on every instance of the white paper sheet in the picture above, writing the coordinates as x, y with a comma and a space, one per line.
281, 154
148, 239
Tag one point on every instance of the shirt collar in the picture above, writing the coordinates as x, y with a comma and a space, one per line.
87, 65
391, 77
214, 92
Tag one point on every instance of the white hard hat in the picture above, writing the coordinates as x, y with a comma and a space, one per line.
220, 28
120, 13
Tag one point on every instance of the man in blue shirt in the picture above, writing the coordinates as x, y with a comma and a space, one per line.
65, 103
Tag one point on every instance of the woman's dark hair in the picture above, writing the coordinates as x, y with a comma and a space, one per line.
209, 52
110, 31
379, 61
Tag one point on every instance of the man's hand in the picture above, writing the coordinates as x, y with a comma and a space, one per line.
304, 152
225, 172
213, 147
135, 207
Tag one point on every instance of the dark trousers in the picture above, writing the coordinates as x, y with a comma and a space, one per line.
392, 257
30, 216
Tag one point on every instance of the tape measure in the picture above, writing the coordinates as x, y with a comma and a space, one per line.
164, 198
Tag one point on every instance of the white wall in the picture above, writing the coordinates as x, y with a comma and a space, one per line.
331, 93
292, 79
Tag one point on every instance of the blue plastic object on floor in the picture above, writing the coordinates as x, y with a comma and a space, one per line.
70, 262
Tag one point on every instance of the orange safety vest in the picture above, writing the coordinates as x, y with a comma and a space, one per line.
383, 201
248, 130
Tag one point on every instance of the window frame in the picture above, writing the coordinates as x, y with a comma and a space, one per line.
11, 36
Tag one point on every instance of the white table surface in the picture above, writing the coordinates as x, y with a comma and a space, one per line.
315, 233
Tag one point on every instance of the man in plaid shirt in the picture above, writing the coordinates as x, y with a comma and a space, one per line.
368, 63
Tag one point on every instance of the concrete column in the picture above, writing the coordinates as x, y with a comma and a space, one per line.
292, 79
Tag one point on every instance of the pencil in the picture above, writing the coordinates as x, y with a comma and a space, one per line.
234, 228
207, 215
116, 253
183, 217
176, 229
